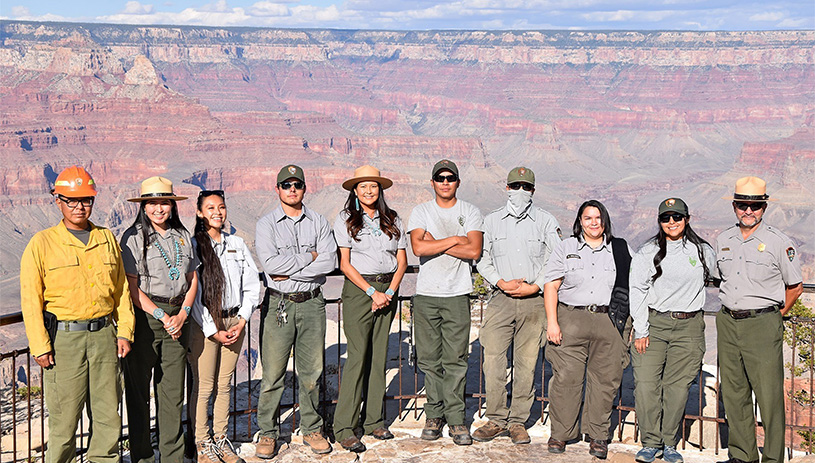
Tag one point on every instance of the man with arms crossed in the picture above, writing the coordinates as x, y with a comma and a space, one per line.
446, 235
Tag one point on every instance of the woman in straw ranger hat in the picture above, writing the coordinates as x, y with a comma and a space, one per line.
160, 267
372, 243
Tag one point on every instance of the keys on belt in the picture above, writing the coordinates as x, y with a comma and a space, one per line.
742, 314
676, 315
281, 315
92, 325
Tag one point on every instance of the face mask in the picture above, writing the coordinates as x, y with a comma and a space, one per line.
519, 201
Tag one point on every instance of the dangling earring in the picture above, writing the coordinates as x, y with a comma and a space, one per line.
358, 206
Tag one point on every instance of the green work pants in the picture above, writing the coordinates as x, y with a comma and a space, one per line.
155, 353
663, 375
520, 322
750, 355
591, 351
363, 376
305, 331
85, 370
442, 329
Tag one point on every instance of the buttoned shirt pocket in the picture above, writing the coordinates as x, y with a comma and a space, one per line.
535, 247
500, 246
760, 266
574, 272
610, 273
63, 265
724, 260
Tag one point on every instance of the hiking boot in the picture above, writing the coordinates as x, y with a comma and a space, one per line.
648, 454
556, 446
207, 452
489, 431
518, 434
353, 444
382, 433
266, 448
432, 428
460, 434
671, 455
317, 443
598, 448
227, 452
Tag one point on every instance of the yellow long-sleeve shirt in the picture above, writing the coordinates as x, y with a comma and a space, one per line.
60, 274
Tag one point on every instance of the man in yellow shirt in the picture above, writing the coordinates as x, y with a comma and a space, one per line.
72, 281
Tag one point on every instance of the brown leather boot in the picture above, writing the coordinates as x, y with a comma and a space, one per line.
207, 452
317, 443
518, 434
598, 448
489, 431
227, 452
266, 448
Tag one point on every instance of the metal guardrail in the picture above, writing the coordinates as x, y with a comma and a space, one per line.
404, 392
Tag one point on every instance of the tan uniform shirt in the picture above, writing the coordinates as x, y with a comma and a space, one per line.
157, 282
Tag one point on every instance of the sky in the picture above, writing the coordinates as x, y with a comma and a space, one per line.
695, 15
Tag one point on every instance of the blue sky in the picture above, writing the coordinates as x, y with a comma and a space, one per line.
425, 14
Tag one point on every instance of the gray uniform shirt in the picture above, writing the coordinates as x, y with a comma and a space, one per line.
284, 246
588, 274
443, 275
517, 247
157, 281
373, 253
755, 271
680, 288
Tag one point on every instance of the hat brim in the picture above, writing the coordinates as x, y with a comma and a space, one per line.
733, 198
351, 182
147, 198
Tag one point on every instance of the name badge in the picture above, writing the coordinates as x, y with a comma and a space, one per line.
572, 256
231, 250
725, 249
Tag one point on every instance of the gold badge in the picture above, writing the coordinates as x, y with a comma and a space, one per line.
181, 240
761, 247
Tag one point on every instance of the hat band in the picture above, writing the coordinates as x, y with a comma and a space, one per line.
156, 195
741, 197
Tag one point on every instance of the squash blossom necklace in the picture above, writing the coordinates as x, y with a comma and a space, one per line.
173, 273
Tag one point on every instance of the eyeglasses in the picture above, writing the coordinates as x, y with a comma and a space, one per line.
206, 193
743, 206
519, 185
665, 218
450, 178
298, 185
73, 202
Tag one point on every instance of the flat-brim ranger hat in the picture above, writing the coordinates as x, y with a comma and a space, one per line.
750, 189
367, 174
156, 188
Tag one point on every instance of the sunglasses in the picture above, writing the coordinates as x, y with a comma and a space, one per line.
298, 185
743, 206
450, 178
206, 193
519, 185
665, 218
73, 202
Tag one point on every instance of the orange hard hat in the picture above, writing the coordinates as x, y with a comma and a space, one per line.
74, 182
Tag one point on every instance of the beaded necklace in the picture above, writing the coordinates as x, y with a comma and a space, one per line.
173, 273
373, 226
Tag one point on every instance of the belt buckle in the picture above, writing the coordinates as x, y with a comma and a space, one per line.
676, 316
94, 325
592, 308
741, 314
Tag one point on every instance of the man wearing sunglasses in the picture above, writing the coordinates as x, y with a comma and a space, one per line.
518, 239
296, 248
761, 280
73, 288
446, 234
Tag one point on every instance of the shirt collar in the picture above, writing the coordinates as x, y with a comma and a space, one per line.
69, 238
278, 214
582, 243
527, 213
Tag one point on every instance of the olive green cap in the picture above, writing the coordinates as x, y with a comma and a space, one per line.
521, 174
291, 171
445, 164
673, 205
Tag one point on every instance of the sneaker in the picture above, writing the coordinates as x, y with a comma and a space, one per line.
266, 448
518, 434
460, 434
207, 452
670, 455
227, 452
648, 454
489, 431
317, 443
432, 428
598, 448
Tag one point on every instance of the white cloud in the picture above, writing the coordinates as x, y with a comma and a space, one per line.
626, 15
790, 23
266, 8
134, 7
768, 16
20, 11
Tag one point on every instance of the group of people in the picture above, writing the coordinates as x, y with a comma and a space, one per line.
93, 306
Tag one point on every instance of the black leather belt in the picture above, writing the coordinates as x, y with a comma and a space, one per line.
226, 313
593, 308
676, 315
295, 297
742, 314
379, 277
173, 301
94, 324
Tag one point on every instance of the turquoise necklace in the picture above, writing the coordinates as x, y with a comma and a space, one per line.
373, 226
173, 273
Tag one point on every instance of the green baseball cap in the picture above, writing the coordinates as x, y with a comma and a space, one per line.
444, 164
521, 174
673, 205
291, 171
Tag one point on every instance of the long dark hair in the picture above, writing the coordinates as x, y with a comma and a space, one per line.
144, 224
212, 274
605, 219
387, 216
661, 240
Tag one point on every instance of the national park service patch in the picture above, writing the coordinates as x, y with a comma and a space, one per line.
791, 253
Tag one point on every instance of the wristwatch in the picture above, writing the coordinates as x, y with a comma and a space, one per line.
158, 314
370, 291
187, 309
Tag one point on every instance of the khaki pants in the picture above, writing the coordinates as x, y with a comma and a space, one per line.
592, 351
85, 370
521, 322
212, 367
663, 375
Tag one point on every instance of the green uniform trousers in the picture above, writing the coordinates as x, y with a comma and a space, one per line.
663, 375
305, 331
521, 322
591, 351
750, 355
363, 375
442, 329
85, 370
155, 353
